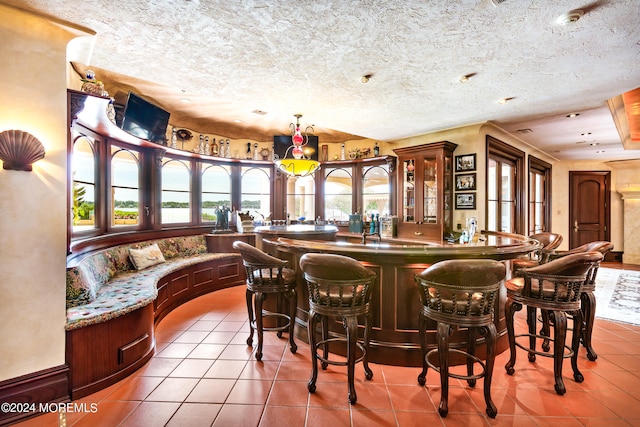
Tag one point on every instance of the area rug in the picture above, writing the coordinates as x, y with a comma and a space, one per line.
618, 295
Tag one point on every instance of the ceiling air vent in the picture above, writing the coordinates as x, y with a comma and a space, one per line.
259, 112
497, 2
527, 130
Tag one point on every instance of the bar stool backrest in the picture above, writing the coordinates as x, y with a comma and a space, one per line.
263, 270
465, 288
337, 282
601, 246
550, 242
560, 280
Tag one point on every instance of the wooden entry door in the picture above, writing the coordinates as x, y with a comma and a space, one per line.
589, 207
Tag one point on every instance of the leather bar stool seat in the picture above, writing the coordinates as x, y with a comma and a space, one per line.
340, 288
588, 298
460, 294
556, 288
268, 275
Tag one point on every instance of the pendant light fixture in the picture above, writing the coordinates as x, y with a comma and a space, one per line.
298, 165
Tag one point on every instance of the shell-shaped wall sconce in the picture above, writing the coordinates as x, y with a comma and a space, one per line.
19, 150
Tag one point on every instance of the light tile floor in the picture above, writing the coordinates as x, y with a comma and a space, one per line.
204, 374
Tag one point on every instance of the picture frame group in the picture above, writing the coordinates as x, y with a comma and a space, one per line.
465, 182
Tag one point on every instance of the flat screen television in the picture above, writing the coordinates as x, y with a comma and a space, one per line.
282, 142
145, 120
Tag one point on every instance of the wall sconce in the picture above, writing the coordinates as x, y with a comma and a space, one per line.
19, 150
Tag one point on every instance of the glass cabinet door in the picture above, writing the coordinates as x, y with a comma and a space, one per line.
409, 191
430, 208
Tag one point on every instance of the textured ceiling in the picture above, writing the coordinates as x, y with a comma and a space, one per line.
281, 57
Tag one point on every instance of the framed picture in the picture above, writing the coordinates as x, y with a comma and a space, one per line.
465, 200
466, 163
466, 182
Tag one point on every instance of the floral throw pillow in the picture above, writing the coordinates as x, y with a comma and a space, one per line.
146, 257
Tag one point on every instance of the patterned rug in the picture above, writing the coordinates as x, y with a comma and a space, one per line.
618, 295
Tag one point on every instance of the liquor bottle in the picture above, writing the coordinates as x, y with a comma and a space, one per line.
376, 150
248, 156
214, 147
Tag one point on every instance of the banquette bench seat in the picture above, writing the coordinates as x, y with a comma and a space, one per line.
115, 296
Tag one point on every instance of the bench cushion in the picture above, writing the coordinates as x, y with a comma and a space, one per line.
85, 280
128, 291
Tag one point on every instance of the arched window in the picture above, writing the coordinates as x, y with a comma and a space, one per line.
83, 173
338, 195
376, 190
176, 192
255, 194
216, 190
125, 187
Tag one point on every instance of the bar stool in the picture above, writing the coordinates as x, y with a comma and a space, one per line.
267, 275
557, 288
341, 288
588, 298
550, 242
460, 294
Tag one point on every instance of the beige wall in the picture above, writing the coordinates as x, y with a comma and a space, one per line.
33, 204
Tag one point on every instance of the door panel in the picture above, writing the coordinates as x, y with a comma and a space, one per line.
589, 209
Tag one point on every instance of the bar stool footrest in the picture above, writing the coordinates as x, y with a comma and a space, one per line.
542, 353
336, 362
454, 375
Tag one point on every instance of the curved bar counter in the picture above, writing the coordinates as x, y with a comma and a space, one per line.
295, 231
396, 305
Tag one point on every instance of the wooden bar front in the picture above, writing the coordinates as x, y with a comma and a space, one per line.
396, 304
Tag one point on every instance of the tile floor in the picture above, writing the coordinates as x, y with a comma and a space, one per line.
204, 374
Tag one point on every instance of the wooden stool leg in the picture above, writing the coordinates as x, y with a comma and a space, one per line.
545, 330
324, 321
559, 338
368, 373
444, 331
510, 309
588, 308
422, 333
249, 297
279, 298
351, 325
259, 328
575, 346
293, 299
311, 329
491, 335
471, 349
532, 313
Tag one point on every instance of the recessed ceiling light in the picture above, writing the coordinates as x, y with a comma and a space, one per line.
366, 78
237, 121
572, 115
504, 100
570, 17
185, 100
527, 130
260, 112
466, 77
593, 144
